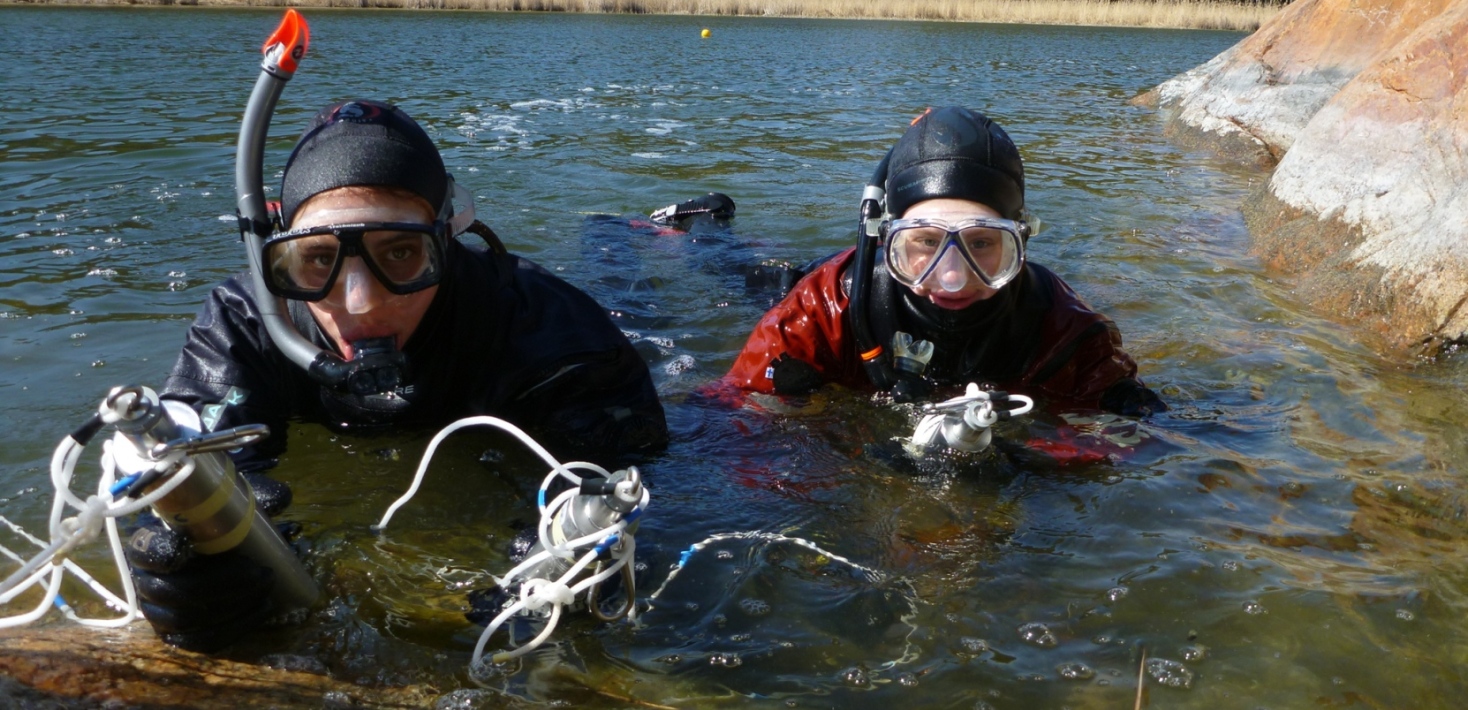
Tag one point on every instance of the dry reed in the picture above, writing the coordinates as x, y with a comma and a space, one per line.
1194, 14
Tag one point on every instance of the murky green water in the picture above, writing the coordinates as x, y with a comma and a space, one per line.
1291, 535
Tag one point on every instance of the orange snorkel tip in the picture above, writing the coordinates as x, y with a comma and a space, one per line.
285, 47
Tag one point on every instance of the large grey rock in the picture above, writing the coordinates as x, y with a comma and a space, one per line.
1362, 104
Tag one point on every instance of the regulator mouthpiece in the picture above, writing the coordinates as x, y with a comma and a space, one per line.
376, 367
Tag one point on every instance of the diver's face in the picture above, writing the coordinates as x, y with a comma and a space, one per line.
359, 306
974, 290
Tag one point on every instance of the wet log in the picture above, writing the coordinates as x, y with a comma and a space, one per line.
69, 666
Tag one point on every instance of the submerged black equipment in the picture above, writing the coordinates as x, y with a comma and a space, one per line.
716, 205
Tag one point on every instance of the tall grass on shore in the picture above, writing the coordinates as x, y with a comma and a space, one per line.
1194, 14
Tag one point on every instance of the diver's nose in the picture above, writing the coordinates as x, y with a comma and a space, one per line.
952, 272
362, 292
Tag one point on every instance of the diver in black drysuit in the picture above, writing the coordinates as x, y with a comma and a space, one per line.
443, 330
501, 338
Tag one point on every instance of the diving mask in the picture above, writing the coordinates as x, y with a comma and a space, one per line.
303, 264
993, 250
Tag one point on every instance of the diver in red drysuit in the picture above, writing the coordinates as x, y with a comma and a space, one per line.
943, 295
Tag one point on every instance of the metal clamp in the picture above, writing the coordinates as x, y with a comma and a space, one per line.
222, 440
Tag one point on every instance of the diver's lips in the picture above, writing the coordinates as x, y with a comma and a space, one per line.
364, 334
954, 304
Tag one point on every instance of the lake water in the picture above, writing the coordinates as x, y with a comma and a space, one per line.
1290, 535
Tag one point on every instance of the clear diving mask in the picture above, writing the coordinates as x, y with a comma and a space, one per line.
944, 255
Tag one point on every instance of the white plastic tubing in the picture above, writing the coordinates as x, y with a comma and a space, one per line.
94, 514
535, 594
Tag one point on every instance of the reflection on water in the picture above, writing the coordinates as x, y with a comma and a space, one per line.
1286, 536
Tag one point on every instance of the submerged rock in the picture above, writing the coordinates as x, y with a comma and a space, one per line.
1361, 105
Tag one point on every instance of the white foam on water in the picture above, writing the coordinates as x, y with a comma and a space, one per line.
649, 156
664, 126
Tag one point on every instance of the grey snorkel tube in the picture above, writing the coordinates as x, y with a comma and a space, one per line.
381, 367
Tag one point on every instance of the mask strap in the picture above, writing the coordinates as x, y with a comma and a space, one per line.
464, 216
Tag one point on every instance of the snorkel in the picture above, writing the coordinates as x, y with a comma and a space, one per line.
377, 367
868, 234
910, 355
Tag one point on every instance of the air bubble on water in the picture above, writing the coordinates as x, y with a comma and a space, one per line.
727, 660
741, 638
1231, 565
62, 252
1253, 607
691, 606
856, 677
724, 555
1075, 671
754, 607
295, 662
177, 285
907, 680
973, 645
77, 336
334, 699
1194, 654
720, 620
177, 274
467, 699
1405, 615
1170, 673
104, 273
1039, 634
1117, 593
486, 671
99, 363
669, 659
1101, 640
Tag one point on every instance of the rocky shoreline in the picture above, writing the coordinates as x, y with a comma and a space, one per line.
1360, 109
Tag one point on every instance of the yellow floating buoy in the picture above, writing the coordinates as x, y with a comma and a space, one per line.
705, 33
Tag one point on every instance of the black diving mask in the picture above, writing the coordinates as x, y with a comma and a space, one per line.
303, 264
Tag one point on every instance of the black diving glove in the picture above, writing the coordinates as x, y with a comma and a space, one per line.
202, 602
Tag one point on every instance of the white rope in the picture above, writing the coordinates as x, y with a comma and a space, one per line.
95, 513
537, 593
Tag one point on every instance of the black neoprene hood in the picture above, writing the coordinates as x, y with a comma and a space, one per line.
956, 153
362, 142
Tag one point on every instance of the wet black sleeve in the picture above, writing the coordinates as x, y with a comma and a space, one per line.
586, 392
229, 372
608, 411
1130, 398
